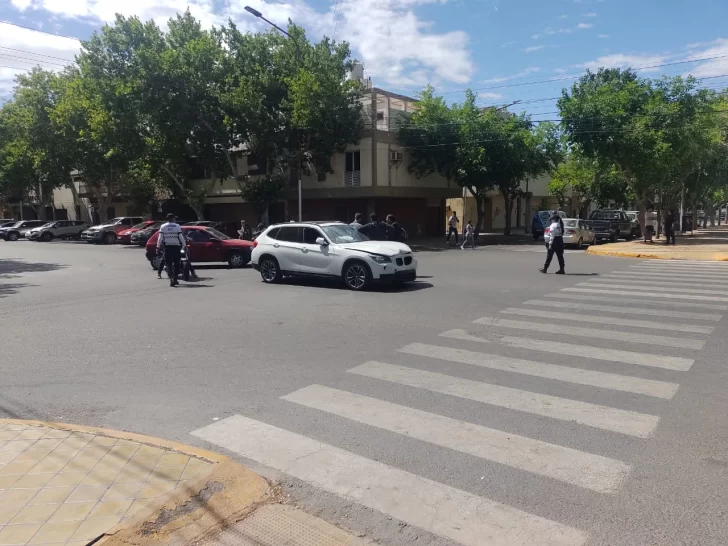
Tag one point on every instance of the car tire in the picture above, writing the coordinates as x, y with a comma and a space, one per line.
13, 236
109, 238
154, 262
535, 236
580, 243
356, 276
186, 272
270, 272
237, 259
47, 236
614, 237
594, 242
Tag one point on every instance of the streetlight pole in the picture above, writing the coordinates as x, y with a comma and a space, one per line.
259, 15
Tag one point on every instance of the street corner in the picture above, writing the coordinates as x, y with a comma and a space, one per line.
70, 484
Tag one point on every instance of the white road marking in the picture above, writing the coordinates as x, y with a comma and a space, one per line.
603, 417
575, 467
440, 509
624, 310
697, 266
646, 294
585, 351
601, 319
633, 302
648, 387
632, 286
659, 276
594, 333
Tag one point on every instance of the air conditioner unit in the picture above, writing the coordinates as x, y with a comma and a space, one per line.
395, 156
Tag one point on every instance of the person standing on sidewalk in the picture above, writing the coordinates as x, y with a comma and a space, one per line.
670, 227
453, 223
173, 240
469, 235
556, 244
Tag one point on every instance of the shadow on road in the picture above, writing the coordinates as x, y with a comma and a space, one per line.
13, 269
336, 284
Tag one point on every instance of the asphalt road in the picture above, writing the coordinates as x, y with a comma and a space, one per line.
603, 450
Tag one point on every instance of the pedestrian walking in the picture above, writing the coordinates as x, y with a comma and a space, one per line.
453, 224
172, 240
670, 227
469, 235
358, 219
556, 244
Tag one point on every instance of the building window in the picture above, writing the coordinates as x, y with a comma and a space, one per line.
352, 172
256, 165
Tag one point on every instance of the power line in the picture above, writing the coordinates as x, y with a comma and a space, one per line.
38, 54
41, 31
14, 58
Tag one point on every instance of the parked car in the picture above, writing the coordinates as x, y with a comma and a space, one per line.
141, 236
228, 228
108, 233
124, 236
576, 232
61, 229
330, 249
206, 245
6, 223
634, 218
611, 225
541, 220
19, 229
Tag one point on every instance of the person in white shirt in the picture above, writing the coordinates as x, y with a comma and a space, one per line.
173, 241
453, 223
556, 244
358, 219
469, 236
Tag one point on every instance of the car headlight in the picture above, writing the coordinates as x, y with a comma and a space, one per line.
381, 259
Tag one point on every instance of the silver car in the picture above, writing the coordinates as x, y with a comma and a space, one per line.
576, 232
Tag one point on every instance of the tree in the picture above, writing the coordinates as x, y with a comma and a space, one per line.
261, 193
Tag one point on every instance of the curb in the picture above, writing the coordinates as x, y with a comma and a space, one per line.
222, 496
649, 255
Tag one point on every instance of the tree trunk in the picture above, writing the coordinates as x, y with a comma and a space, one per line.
508, 203
479, 202
642, 214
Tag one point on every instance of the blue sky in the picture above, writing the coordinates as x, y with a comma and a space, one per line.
504, 49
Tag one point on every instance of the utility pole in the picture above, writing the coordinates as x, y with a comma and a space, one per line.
259, 15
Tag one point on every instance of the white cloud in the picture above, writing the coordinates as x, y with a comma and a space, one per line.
51, 52
592, 14
602, 36
490, 96
563, 16
560, 70
712, 67
387, 35
533, 48
584, 25
620, 60
535, 36
525, 72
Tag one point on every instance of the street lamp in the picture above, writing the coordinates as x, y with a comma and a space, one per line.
259, 15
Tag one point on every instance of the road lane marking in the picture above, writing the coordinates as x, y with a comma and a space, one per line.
584, 413
631, 286
659, 275
624, 310
576, 318
648, 387
696, 266
645, 294
575, 467
594, 333
438, 508
585, 351
631, 301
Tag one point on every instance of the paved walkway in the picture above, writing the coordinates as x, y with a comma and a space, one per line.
69, 487
709, 244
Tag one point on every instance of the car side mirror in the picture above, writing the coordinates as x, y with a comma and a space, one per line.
321, 241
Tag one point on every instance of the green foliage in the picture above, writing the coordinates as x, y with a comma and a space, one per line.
262, 193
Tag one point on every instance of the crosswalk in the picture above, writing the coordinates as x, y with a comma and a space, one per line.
601, 358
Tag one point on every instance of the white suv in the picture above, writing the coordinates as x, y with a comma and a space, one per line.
62, 229
330, 249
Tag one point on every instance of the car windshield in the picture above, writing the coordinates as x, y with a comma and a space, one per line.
140, 225
341, 233
17, 224
216, 233
49, 225
570, 223
632, 216
605, 215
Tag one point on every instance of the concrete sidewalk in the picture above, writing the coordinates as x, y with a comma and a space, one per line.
709, 244
70, 485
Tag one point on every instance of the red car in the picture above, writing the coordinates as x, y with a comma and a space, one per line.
124, 237
206, 245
